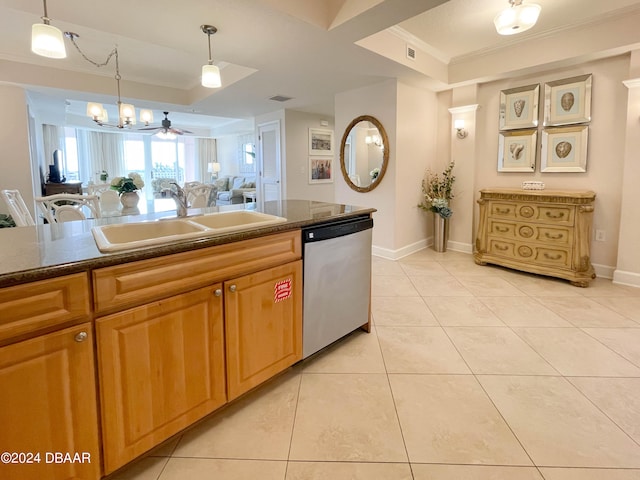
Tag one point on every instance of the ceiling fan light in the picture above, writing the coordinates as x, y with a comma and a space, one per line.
47, 41
517, 18
211, 76
166, 135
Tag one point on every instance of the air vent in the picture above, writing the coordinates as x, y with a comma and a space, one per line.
411, 52
280, 98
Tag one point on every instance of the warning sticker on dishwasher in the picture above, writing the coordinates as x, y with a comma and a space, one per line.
282, 290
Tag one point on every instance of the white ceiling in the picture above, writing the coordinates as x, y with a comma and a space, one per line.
298, 48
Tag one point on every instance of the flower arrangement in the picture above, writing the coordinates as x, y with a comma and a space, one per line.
438, 191
127, 184
374, 173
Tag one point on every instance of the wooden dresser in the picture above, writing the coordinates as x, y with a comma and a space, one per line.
68, 187
539, 231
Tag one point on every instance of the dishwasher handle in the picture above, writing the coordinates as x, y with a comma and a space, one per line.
335, 230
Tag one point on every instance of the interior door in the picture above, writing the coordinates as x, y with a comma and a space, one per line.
270, 188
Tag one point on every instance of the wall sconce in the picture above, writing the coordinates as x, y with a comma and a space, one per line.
373, 139
459, 126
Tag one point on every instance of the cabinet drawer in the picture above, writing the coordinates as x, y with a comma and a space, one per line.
552, 214
39, 305
136, 283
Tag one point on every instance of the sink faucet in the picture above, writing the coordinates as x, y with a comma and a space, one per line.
180, 198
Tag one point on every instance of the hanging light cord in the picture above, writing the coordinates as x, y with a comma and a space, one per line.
114, 53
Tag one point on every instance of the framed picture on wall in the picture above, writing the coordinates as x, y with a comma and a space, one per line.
320, 141
568, 101
519, 107
564, 149
517, 151
320, 169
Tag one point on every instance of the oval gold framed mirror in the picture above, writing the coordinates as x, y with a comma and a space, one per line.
364, 153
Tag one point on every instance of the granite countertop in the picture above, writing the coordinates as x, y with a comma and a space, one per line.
46, 251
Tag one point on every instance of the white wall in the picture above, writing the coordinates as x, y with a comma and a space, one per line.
378, 101
628, 264
416, 135
296, 125
15, 163
605, 151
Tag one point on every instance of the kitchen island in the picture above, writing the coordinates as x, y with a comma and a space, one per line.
112, 353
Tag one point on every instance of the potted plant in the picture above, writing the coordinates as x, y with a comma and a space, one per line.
127, 188
438, 192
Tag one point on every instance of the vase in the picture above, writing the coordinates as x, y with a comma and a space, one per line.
440, 233
129, 202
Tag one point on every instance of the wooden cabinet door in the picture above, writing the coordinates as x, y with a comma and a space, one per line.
161, 367
48, 407
263, 315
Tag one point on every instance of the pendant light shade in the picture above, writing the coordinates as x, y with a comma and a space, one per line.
210, 73
211, 76
517, 18
46, 40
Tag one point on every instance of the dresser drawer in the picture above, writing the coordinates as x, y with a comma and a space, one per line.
530, 232
541, 254
551, 214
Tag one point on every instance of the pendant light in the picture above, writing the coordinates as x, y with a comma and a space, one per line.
517, 18
46, 40
210, 73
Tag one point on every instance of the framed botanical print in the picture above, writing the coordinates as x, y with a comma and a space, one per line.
564, 149
519, 107
568, 101
517, 151
320, 141
320, 169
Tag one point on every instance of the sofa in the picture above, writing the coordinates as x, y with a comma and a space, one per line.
231, 188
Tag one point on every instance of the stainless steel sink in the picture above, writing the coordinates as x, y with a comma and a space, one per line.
128, 236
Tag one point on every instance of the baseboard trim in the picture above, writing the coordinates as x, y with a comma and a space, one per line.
416, 247
626, 278
460, 247
604, 271
397, 254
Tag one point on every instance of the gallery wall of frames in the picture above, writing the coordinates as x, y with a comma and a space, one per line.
563, 138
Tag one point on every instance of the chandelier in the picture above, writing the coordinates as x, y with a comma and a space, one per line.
126, 111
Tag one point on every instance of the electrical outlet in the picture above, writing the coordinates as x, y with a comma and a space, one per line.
600, 236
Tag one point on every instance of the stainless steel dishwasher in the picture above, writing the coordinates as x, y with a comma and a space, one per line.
337, 281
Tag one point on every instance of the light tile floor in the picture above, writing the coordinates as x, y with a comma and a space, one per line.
469, 373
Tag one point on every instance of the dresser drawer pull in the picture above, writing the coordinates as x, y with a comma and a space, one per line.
502, 229
503, 211
555, 217
553, 237
502, 248
552, 257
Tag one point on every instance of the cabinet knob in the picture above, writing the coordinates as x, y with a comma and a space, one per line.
218, 292
232, 288
81, 337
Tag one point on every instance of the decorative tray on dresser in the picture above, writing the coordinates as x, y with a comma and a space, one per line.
546, 232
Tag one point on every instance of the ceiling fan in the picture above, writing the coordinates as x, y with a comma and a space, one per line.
166, 130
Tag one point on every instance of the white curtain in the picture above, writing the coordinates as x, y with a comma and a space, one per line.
103, 151
52, 137
207, 153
